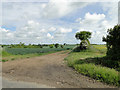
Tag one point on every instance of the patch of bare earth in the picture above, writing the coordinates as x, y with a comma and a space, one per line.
49, 70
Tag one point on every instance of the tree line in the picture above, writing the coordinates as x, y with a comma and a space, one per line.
22, 45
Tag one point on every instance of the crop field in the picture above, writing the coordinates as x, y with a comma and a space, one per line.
20, 53
23, 51
101, 48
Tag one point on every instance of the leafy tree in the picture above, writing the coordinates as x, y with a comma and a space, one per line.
51, 46
83, 36
21, 45
40, 45
12, 45
113, 42
29, 46
56, 45
62, 46
2, 46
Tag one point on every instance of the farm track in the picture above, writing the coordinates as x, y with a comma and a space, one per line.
50, 70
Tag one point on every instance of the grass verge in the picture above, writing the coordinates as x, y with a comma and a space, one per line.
93, 64
104, 74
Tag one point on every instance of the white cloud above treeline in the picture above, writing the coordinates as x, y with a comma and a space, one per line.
95, 23
36, 22
32, 31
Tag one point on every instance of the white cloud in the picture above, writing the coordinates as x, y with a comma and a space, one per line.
95, 23
6, 36
78, 20
36, 22
91, 18
50, 36
20, 12
94, 17
32, 32
52, 29
6, 33
111, 8
31, 22
59, 8
43, 30
65, 30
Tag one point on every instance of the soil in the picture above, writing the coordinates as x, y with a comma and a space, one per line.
50, 70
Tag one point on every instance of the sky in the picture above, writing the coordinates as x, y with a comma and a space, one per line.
56, 21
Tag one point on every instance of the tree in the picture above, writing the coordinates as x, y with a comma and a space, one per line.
56, 45
113, 42
51, 46
40, 45
29, 46
21, 45
62, 46
83, 36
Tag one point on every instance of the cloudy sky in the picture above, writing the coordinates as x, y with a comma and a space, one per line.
54, 21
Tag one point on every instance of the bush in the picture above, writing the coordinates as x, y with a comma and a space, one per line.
113, 43
81, 48
62, 46
76, 49
51, 46
4, 60
100, 61
56, 45
40, 45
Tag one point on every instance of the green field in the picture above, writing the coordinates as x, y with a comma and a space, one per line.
23, 51
93, 63
19, 53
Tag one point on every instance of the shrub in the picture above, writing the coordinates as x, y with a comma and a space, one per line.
113, 43
62, 46
56, 45
51, 46
76, 49
40, 45
4, 60
12, 59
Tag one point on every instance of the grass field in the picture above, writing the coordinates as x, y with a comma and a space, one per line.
23, 51
7, 56
93, 63
19, 53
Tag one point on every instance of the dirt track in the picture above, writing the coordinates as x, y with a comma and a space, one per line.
50, 70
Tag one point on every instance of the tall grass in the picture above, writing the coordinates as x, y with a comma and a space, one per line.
104, 74
92, 64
